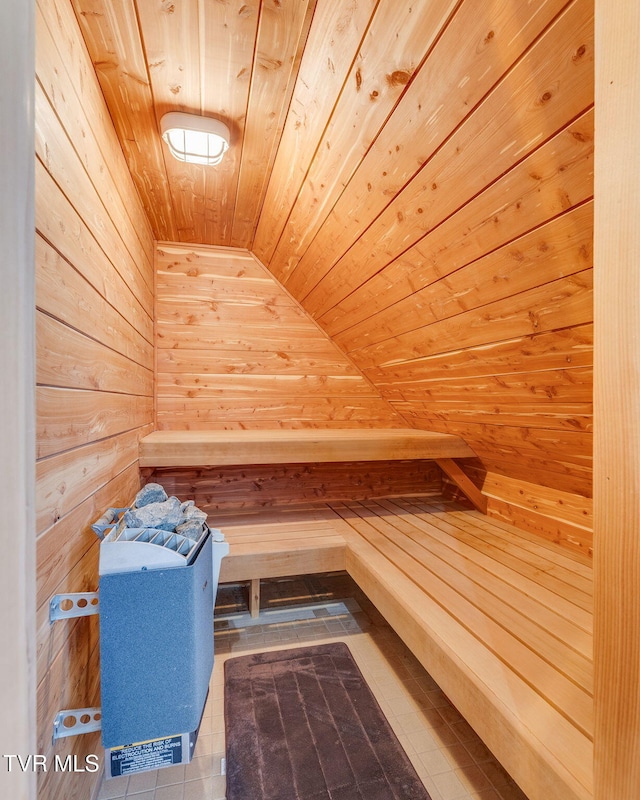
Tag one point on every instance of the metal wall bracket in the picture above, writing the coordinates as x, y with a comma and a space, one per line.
67, 606
76, 720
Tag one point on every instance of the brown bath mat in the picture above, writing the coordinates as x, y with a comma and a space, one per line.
302, 724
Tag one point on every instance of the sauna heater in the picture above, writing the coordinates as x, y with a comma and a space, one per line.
157, 593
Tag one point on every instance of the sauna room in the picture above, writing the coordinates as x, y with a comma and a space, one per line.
379, 337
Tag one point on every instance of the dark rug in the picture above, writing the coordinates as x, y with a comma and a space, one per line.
302, 724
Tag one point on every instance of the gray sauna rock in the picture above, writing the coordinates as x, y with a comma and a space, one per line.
194, 513
165, 516
187, 504
151, 493
192, 529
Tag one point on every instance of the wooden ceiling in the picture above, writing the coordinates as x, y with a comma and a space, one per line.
236, 60
418, 175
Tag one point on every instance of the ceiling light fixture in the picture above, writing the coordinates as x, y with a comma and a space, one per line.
197, 140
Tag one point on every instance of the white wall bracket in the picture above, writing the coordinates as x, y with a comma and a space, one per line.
76, 720
78, 604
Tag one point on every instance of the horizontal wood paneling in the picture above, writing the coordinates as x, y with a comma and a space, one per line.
94, 338
245, 412
244, 377
250, 487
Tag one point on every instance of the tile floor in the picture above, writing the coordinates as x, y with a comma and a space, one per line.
449, 757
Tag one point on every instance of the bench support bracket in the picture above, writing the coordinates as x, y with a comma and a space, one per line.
463, 482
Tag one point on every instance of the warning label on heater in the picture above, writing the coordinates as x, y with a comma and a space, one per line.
146, 755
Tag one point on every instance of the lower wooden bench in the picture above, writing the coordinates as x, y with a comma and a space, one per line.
500, 618
276, 544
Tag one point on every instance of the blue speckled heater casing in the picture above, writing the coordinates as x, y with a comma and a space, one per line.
156, 650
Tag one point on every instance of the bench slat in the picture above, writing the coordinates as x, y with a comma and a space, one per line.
571, 700
535, 743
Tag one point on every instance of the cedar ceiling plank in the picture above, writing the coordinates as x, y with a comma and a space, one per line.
551, 85
440, 96
396, 42
282, 35
199, 60
113, 38
560, 304
542, 351
333, 42
228, 39
552, 179
559, 249
171, 40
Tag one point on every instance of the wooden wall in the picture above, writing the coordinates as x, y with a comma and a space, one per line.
439, 228
617, 406
235, 351
94, 298
259, 486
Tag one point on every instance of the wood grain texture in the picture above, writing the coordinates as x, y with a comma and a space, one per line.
617, 407
420, 177
502, 618
219, 448
253, 487
234, 350
94, 347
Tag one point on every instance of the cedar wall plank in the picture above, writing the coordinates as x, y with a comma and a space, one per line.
94, 282
231, 487
224, 386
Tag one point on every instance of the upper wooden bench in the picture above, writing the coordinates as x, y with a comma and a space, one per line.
220, 448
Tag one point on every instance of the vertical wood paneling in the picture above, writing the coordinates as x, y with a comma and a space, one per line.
94, 298
617, 406
235, 351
